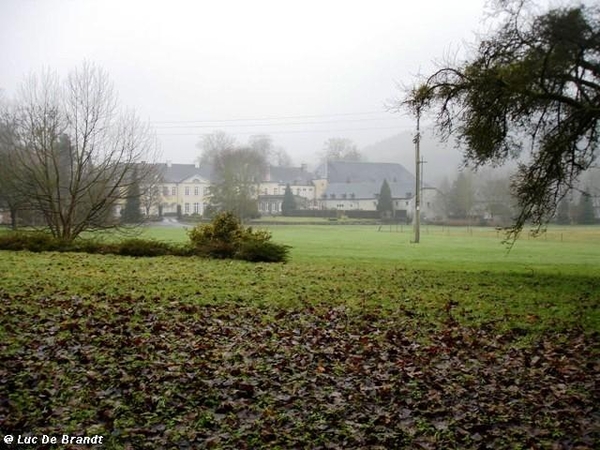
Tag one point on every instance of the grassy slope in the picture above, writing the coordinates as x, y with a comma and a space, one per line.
120, 340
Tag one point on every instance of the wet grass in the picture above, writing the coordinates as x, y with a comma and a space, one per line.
363, 340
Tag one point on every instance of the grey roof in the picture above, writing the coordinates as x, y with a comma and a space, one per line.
291, 175
175, 173
364, 172
367, 190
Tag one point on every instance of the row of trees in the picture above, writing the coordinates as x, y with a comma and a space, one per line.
69, 153
334, 149
487, 194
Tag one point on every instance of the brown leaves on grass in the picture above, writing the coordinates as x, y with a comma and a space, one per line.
151, 374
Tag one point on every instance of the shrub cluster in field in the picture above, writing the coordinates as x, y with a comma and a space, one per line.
225, 237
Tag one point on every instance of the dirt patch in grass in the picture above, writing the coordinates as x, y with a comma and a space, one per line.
152, 373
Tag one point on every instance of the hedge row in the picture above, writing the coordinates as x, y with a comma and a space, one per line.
44, 242
225, 237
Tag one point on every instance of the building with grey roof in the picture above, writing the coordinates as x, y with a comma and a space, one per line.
354, 185
339, 185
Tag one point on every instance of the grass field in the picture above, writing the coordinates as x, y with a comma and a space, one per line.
363, 340
564, 249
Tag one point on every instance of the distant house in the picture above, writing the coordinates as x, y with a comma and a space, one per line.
186, 186
350, 185
183, 188
272, 189
337, 185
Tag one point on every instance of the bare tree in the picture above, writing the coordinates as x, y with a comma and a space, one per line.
75, 150
151, 195
238, 174
213, 143
10, 196
281, 157
341, 149
263, 144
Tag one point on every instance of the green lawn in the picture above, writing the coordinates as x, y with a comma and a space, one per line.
566, 249
362, 340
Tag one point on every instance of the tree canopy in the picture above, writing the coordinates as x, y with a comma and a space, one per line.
239, 172
586, 214
71, 150
212, 143
532, 85
385, 203
289, 202
131, 213
341, 149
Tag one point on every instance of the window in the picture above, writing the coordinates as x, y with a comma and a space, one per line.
406, 203
196, 190
187, 208
298, 191
173, 191
275, 191
187, 190
266, 191
165, 191
196, 208
331, 195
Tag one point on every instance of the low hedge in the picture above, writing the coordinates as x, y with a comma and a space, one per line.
224, 238
45, 242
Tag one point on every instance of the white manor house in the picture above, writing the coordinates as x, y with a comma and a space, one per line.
336, 185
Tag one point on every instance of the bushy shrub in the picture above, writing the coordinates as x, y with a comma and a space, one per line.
34, 241
143, 247
93, 246
256, 251
226, 237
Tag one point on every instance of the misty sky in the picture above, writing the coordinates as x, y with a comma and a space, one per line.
303, 71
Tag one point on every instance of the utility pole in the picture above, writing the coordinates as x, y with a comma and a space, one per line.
418, 163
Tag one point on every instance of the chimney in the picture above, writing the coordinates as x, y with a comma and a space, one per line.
168, 163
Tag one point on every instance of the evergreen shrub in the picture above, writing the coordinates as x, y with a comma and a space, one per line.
226, 237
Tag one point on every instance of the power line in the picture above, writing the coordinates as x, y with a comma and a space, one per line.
281, 123
313, 116
292, 131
